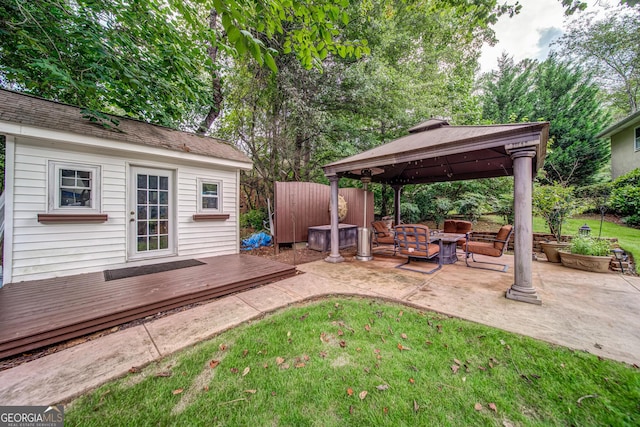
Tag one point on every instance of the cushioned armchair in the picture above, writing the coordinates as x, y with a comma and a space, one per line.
493, 247
458, 227
412, 240
382, 235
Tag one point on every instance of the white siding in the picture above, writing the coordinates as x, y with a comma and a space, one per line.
51, 250
206, 237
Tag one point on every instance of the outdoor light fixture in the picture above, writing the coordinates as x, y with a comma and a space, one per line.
585, 230
619, 254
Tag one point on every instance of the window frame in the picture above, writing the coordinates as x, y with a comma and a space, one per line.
636, 139
54, 185
200, 195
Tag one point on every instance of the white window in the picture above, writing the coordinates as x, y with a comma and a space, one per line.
209, 195
74, 188
637, 139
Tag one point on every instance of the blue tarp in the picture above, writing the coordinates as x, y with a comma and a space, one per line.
256, 240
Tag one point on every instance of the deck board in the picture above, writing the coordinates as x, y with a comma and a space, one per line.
42, 312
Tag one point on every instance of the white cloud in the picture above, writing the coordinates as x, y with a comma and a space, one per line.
528, 34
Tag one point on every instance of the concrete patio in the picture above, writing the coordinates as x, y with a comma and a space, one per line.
598, 313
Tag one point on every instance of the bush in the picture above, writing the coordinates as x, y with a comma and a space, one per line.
254, 219
586, 245
410, 213
632, 221
625, 200
470, 205
555, 204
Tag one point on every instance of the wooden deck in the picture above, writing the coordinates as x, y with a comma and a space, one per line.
42, 312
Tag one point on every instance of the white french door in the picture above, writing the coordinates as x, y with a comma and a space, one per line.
151, 213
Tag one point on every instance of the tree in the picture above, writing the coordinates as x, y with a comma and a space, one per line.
609, 48
562, 94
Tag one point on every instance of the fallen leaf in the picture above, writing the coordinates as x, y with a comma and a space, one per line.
428, 342
400, 314
279, 360
376, 350
439, 328
178, 391
400, 347
491, 365
385, 410
367, 370
323, 354
492, 406
265, 366
245, 352
382, 387
164, 374
502, 342
367, 327
222, 347
350, 392
350, 410
251, 391
304, 316
343, 344
284, 366
340, 333
363, 394
246, 371
412, 381
457, 362
359, 349
477, 407
323, 337
134, 370
455, 368
214, 363
300, 365
234, 370
205, 388
415, 406
404, 336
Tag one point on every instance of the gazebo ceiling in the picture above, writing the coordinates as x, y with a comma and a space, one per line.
435, 151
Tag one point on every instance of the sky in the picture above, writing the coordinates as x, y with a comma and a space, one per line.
529, 34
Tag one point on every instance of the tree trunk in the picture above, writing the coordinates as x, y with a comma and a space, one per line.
216, 86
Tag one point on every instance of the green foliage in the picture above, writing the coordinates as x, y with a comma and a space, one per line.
503, 206
253, 218
632, 221
555, 204
608, 47
410, 213
625, 196
471, 206
587, 245
565, 96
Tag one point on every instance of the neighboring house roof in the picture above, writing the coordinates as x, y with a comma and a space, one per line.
630, 120
36, 112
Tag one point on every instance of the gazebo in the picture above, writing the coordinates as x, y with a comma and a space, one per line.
435, 151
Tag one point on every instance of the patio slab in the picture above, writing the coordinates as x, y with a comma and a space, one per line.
595, 312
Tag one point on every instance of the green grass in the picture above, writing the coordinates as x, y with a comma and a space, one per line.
628, 238
300, 366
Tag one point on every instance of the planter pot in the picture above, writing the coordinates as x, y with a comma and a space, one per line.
550, 249
597, 264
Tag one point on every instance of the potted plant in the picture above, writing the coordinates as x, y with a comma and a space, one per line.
555, 204
587, 253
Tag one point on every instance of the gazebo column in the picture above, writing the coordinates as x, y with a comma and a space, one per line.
334, 256
396, 203
522, 288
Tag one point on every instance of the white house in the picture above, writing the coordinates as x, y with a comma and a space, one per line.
84, 196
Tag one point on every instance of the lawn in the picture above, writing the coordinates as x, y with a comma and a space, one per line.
354, 361
628, 238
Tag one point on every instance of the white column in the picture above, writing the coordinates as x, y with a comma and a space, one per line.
522, 288
335, 232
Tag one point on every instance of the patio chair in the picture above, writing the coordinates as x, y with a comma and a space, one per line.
493, 247
457, 226
382, 235
412, 241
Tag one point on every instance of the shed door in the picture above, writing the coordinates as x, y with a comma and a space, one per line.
152, 213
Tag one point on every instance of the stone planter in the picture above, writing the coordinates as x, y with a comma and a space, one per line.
550, 249
596, 264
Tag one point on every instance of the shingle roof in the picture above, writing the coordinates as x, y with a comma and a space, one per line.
41, 113
630, 120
